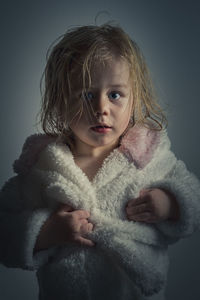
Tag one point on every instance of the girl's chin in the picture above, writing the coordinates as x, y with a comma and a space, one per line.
106, 143
98, 140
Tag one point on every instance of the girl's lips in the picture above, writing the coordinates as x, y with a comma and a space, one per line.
101, 129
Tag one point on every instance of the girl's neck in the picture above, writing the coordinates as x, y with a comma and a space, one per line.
82, 150
90, 162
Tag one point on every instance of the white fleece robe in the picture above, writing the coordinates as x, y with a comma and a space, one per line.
130, 260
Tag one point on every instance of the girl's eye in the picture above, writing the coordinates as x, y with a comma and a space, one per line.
114, 94
88, 96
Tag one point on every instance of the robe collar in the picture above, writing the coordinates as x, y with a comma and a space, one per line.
137, 146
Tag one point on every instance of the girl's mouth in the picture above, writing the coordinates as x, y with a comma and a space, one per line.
101, 129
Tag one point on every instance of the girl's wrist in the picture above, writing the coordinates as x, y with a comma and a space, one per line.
175, 210
174, 214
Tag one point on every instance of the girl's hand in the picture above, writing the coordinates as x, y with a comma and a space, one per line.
153, 206
65, 225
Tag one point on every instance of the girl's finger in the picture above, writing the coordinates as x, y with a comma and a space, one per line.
141, 217
143, 196
84, 241
150, 219
85, 228
90, 226
138, 209
84, 221
136, 201
144, 192
82, 214
65, 207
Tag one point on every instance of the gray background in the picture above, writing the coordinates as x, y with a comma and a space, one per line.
168, 33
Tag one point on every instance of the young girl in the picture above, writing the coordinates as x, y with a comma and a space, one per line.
99, 196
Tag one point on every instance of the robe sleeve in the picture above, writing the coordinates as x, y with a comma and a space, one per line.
186, 188
167, 172
141, 250
19, 229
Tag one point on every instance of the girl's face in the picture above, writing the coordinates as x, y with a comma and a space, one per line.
108, 109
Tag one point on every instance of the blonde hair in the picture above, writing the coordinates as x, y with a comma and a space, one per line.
70, 62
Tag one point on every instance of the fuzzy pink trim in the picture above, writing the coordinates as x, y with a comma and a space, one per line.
139, 145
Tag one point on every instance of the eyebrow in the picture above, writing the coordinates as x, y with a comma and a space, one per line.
108, 86
113, 85
119, 85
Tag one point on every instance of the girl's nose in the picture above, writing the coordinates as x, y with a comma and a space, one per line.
101, 104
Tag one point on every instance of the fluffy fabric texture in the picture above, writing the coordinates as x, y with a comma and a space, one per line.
130, 256
138, 145
30, 151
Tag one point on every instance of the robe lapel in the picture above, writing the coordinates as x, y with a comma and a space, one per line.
60, 158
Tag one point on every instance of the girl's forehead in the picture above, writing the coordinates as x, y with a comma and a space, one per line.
108, 62
116, 71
